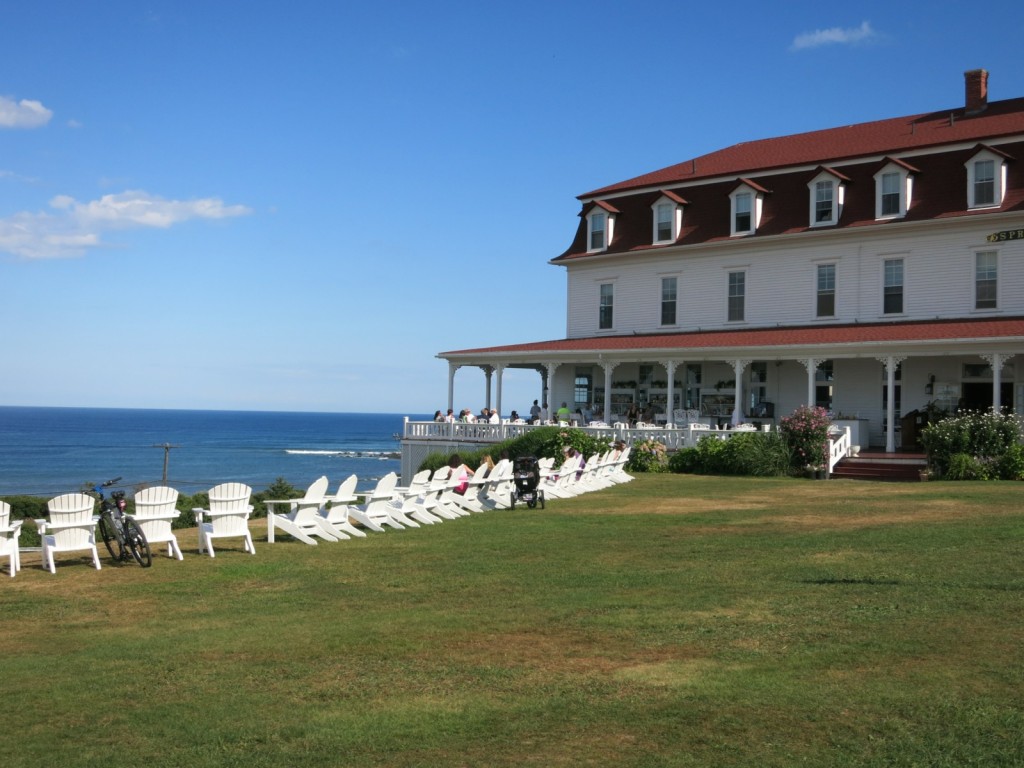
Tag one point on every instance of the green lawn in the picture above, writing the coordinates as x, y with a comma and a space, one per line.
673, 621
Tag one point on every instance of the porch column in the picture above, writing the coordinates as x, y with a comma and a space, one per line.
452, 368
488, 371
670, 369
606, 409
551, 368
995, 361
890, 364
738, 366
811, 364
499, 369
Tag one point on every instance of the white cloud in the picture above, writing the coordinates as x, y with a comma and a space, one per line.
834, 36
75, 227
23, 114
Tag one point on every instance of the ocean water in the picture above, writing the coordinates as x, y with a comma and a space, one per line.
48, 451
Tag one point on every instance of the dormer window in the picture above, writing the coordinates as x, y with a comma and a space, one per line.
827, 196
668, 218
746, 203
894, 183
600, 226
986, 178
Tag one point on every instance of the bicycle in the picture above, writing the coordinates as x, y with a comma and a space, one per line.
122, 536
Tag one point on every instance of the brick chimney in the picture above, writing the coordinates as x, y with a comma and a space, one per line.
976, 91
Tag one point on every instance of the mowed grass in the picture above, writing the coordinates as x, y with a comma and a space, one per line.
673, 621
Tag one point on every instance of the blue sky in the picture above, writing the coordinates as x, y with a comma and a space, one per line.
297, 206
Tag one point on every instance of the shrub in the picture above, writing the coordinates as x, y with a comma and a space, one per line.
759, 454
806, 432
963, 466
986, 437
647, 456
1011, 465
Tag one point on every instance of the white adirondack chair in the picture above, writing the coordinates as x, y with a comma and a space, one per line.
334, 511
71, 527
303, 520
227, 517
155, 511
9, 534
374, 514
408, 503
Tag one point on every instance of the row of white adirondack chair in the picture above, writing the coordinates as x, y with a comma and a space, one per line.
70, 526
429, 499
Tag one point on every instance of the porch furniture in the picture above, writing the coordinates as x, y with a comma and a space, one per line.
373, 513
71, 527
227, 517
155, 512
334, 510
303, 520
9, 534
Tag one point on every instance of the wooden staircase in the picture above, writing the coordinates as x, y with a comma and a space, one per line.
902, 467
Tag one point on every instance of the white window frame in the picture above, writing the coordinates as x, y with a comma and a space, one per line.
905, 189
998, 178
756, 206
602, 214
675, 220
729, 296
821, 181
661, 301
818, 290
977, 257
902, 285
600, 305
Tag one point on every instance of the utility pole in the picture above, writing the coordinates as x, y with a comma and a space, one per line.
167, 453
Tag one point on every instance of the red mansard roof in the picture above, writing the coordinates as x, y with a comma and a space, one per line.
1008, 329
829, 146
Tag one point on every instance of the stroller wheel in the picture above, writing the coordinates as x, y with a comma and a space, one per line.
541, 497
532, 503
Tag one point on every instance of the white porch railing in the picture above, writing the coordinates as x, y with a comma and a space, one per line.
838, 448
672, 437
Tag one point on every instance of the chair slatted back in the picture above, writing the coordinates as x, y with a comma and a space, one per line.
71, 518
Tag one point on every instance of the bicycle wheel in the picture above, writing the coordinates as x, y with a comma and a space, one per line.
137, 543
110, 540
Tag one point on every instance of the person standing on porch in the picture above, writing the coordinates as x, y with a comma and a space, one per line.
564, 414
534, 412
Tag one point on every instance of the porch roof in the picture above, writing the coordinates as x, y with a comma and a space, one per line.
836, 340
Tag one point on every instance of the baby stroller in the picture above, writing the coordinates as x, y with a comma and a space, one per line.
526, 475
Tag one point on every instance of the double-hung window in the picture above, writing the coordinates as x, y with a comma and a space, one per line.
667, 212
826, 198
597, 231
890, 202
605, 306
823, 193
826, 298
892, 292
737, 295
668, 300
894, 182
663, 214
985, 279
742, 219
984, 182
746, 202
986, 178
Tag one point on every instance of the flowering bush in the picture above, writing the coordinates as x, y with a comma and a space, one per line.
974, 445
647, 456
806, 431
